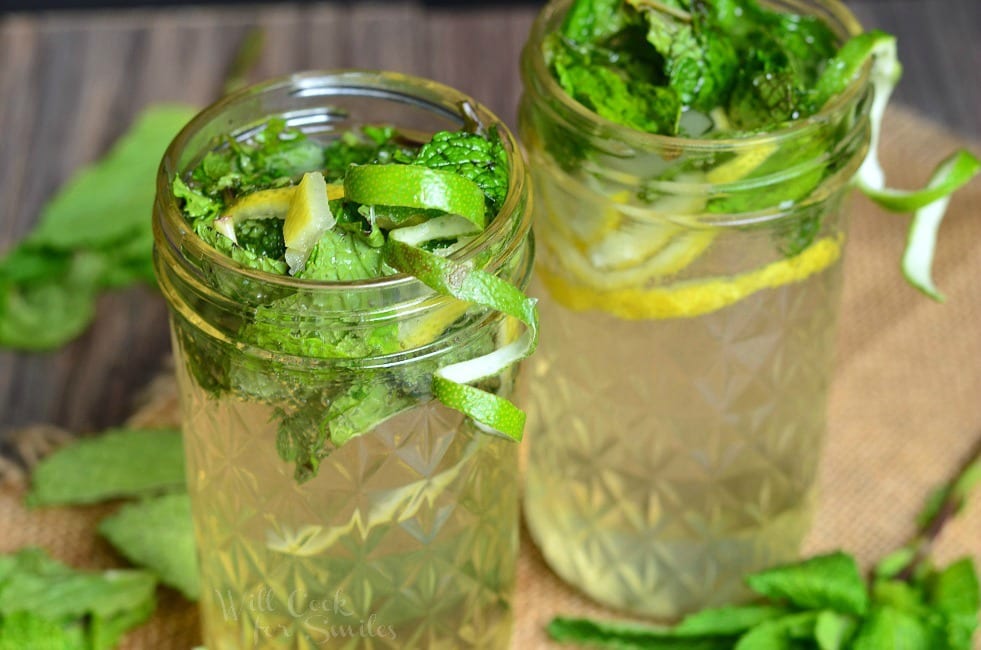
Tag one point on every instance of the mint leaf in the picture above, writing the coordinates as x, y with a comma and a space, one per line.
901, 596
111, 200
302, 437
607, 90
262, 238
46, 604
69, 595
343, 257
824, 582
48, 311
954, 592
832, 630
27, 630
592, 20
893, 564
629, 636
363, 406
889, 629
726, 621
94, 234
195, 204
955, 589
157, 534
779, 634
32, 560
700, 61
273, 157
116, 463
373, 145
481, 160
106, 631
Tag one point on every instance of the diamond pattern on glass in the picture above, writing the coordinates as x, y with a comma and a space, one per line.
407, 538
668, 458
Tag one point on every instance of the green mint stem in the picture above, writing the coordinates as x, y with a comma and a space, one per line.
945, 503
246, 57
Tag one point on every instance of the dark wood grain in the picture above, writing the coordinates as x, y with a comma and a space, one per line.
71, 82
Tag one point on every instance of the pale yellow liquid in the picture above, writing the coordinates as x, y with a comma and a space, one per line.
669, 458
405, 539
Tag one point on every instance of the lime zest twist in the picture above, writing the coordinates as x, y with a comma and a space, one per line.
686, 299
409, 186
928, 205
922, 236
451, 384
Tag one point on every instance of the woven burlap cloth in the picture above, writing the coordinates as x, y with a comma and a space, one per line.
905, 408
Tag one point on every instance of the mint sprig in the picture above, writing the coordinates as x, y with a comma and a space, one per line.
824, 602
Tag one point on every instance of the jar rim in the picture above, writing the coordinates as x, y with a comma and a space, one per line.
407, 88
533, 62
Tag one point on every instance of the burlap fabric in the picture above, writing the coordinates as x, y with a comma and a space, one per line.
905, 408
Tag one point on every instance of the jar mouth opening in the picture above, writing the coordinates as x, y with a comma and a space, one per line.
582, 117
430, 95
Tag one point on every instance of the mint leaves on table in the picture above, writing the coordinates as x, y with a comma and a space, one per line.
156, 533
824, 603
94, 235
119, 463
45, 604
154, 529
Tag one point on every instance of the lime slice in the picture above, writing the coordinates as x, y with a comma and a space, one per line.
450, 384
694, 297
414, 186
264, 204
676, 253
574, 216
307, 219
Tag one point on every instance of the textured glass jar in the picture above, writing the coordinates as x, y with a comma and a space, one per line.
688, 297
405, 537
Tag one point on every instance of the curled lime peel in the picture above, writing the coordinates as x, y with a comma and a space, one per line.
884, 75
451, 384
921, 239
929, 204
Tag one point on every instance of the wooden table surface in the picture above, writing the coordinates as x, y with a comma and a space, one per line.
70, 82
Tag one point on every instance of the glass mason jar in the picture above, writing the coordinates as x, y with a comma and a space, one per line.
403, 537
688, 295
